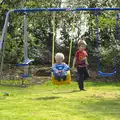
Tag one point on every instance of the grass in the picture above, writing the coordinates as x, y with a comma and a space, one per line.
15, 82
101, 101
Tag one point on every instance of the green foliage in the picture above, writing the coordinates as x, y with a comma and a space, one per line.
40, 28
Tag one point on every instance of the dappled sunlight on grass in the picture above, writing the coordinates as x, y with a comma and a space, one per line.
106, 95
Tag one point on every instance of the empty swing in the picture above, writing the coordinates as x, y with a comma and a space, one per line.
98, 57
27, 61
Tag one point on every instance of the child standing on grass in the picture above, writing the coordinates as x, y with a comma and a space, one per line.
81, 63
60, 68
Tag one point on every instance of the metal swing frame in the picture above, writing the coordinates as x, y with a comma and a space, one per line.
26, 10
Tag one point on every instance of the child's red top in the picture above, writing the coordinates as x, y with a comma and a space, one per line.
79, 57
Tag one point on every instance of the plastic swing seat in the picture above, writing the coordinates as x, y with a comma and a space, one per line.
25, 75
26, 63
61, 82
106, 74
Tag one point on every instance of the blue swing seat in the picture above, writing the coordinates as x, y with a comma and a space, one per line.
24, 75
106, 74
26, 63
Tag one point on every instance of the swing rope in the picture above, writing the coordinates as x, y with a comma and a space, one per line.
53, 41
68, 78
71, 41
97, 43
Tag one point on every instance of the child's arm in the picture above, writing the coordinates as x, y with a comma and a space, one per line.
66, 67
85, 57
86, 60
54, 68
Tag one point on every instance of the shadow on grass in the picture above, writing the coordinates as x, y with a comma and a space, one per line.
64, 92
46, 98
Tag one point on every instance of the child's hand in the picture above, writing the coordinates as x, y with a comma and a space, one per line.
87, 63
72, 68
62, 71
84, 58
57, 71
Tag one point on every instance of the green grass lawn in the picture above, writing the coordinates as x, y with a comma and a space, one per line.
101, 101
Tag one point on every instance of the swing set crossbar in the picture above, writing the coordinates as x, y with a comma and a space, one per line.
63, 9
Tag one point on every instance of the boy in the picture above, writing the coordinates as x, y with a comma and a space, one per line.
81, 63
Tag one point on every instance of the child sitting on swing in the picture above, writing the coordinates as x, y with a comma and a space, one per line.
60, 68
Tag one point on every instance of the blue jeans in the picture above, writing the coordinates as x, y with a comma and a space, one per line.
60, 75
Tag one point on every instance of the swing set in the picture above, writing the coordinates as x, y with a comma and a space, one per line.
115, 51
27, 61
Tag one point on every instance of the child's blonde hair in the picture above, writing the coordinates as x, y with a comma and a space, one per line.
59, 57
82, 42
